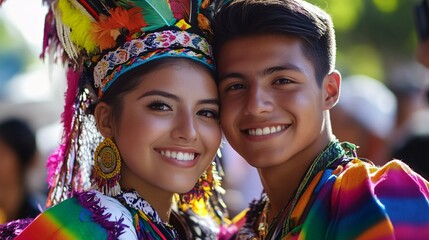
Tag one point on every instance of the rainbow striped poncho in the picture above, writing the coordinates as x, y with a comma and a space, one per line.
361, 201
354, 200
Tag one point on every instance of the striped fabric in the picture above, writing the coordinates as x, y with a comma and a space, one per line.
361, 201
60, 222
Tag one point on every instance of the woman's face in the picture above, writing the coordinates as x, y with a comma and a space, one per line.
168, 132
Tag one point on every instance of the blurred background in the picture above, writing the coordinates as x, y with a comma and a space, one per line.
375, 39
31, 91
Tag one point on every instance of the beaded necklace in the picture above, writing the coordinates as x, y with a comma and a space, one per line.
281, 224
332, 153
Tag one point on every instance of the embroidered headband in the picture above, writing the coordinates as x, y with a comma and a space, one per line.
168, 43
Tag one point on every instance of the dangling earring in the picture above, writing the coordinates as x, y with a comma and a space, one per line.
207, 194
107, 165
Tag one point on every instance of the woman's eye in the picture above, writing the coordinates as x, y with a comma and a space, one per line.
282, 81
209, 113
159, 106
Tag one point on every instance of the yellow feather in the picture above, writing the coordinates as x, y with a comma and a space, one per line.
80, 22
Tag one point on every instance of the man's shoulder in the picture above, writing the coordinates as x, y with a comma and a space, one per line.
392, 183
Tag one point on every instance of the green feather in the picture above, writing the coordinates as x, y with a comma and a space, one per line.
156, 13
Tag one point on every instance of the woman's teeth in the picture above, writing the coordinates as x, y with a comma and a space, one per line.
181, 156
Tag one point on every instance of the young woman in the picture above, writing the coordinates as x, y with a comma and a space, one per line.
141, 124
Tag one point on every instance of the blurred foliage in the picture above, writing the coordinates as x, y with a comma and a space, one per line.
15, 54
373, 36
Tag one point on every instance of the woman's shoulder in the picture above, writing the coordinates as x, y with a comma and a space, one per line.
87, 215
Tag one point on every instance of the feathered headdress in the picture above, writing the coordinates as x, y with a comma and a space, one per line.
100, 40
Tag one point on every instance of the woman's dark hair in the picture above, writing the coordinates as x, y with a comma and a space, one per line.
295, 18
20, 138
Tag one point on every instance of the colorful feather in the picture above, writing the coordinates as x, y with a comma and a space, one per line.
156, 13
108, 29
180, 8
74, 16
48, 32
70, 98
90, 8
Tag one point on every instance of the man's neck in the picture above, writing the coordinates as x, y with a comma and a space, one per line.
282, 181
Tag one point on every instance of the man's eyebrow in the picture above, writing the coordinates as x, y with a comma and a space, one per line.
230, 75
285, 67
265, 72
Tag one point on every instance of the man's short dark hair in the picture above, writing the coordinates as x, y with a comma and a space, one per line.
295, 18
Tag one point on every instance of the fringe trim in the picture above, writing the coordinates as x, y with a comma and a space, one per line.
10, 230
100, 215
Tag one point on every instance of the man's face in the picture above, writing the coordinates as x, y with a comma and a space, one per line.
272, 107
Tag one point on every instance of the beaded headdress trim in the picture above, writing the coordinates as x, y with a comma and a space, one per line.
171, 43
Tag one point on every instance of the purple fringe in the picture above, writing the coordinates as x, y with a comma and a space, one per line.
100, 216
10, 230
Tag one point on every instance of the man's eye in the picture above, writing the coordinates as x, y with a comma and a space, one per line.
236, 87
282, 81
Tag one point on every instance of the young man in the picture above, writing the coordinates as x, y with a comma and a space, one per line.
277, 81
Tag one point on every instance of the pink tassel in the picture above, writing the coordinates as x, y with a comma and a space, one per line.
57, 157
48, 32
52, 164
70, 98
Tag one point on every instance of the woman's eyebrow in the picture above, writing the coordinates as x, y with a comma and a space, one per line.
160, 93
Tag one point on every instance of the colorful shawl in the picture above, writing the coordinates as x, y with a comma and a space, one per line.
353, 200
88, 215
92, 215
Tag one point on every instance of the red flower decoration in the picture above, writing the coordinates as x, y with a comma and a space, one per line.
107, 30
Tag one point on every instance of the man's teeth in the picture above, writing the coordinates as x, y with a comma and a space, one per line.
265, 130
181, 156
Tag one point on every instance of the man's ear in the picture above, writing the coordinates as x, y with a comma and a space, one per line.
331, 89
103, 119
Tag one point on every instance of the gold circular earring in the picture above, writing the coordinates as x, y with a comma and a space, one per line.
107, 166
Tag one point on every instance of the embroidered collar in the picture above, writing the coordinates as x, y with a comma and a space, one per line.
133, 200
147, 222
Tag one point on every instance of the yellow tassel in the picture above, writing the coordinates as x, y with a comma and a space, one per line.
80, 22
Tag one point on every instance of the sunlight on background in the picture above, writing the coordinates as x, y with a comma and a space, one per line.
29, 88
386, 6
